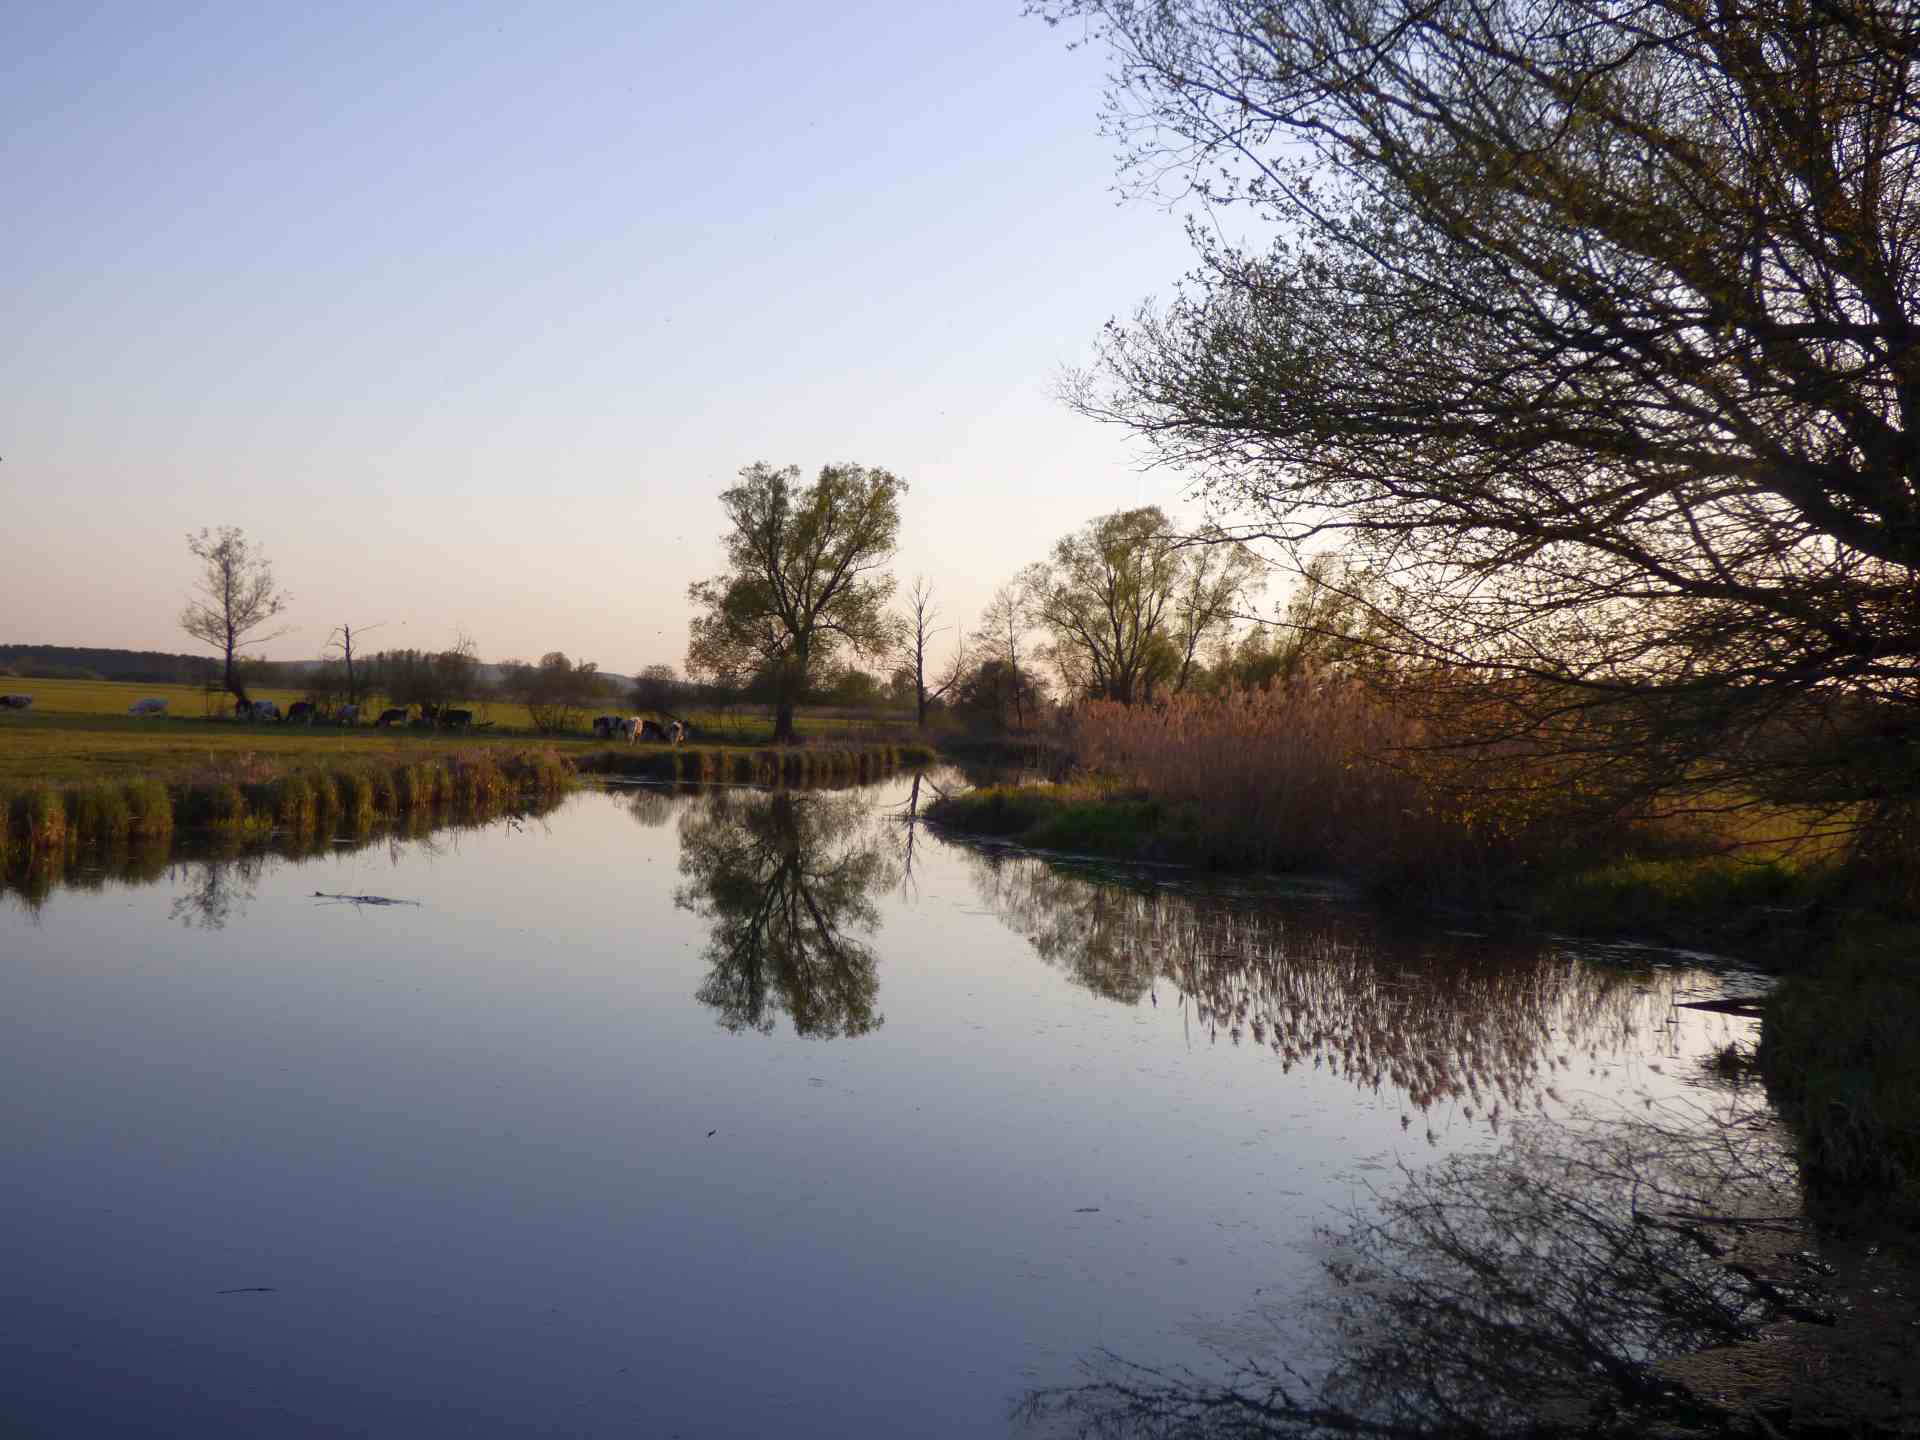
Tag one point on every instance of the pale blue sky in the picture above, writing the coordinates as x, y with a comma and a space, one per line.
467, 315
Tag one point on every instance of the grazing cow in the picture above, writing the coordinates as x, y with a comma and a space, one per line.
676, 731
395, 716
301, 712
455, 719
15, 702
257, 710
153, 705
627, 729
650, 730
604, 726
347, 715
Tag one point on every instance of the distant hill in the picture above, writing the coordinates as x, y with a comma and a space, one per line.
154, 667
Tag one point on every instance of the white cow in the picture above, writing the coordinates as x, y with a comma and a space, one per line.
15, 702
152, 705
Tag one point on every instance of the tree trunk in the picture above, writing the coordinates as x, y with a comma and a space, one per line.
783, 722
235, 687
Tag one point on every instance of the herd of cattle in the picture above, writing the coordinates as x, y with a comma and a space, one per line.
438, 717
632, 727
305, 712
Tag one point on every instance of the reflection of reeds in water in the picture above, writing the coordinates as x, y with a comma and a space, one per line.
219, 866
1442, 1020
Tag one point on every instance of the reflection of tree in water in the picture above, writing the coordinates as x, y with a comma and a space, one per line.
1443, 1020
1531, 1291
650, 807
785, 879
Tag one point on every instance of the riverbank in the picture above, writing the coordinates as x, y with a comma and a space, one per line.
758, 764
1839, 1054
64, 785
253, 792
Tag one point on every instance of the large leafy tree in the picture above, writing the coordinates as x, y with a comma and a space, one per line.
1128, 603
806, 578
1592, 331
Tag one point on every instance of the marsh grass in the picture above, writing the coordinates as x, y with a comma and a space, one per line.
1087, 817
759, 765
254, 792
1674, 898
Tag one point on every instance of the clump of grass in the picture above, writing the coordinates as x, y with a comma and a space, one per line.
218, 803
150, 806
1841, 1059
1083, 816
1672, 898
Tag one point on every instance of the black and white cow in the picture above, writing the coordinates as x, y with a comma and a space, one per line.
396, 715
152, 705
15, 702
301, 712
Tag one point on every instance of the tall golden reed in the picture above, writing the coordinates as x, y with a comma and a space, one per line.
1317, 772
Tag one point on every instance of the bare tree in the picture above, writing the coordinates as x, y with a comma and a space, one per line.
341, 642
1004, 626
919, 632
238, 597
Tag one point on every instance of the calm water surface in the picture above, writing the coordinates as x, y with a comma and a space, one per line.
726, 1114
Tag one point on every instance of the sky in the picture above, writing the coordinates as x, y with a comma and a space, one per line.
466, 316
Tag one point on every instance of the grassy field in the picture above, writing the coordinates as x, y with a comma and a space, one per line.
744, 726
80, 730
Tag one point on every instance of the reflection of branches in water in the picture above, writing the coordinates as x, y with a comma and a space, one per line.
1523, 1292
906, 817
1441, 1020
785, 878
214, 888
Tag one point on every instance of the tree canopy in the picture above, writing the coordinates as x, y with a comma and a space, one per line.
806, 578
1127, 603
1589, 331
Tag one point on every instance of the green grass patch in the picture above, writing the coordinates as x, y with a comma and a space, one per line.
1084, 817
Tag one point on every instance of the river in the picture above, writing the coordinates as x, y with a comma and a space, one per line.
737, 1113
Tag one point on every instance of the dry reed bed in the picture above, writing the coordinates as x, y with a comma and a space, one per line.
253, 794
1319, 773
